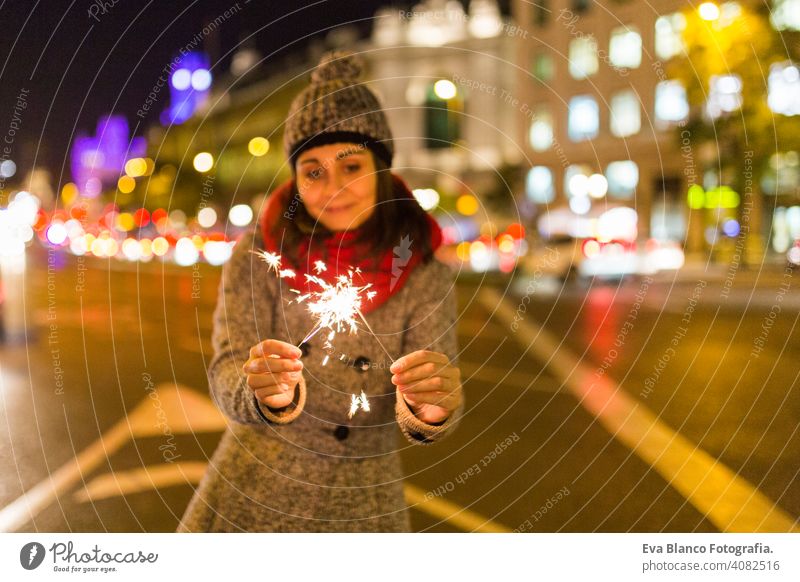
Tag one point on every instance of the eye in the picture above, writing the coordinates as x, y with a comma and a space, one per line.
352, 167
314, 174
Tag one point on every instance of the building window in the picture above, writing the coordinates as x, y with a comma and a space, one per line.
541, 12
625, 47
580, 5
671, 103
584, 118
783, 174
724, 95
583, 57
540, 134
784, 88
626, 115
442, 115
623, 178
669, 35
543, 66
785, 14
539, 187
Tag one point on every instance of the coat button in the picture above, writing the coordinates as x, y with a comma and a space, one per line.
341, 432
305, 348
362, 364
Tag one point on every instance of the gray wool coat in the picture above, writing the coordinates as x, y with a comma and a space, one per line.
307, 467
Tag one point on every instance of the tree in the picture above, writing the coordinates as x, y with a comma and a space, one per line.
739, 138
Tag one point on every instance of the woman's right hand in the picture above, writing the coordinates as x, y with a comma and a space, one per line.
273, 370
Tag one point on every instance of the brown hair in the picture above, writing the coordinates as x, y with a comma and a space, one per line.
396, 215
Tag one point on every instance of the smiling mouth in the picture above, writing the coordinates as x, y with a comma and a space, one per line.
335, 209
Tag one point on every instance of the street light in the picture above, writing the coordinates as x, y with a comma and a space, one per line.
708, 11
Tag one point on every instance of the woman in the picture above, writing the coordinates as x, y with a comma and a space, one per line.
293, 458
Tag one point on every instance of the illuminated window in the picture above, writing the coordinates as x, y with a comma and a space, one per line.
625, 47
543, 66
785, 14
442, 115
583, 57
576, 180
784, 89
671, 103
623, 177
669, 31
725, 95
782, 176
539, 186
626, 116
584, 118
541, 132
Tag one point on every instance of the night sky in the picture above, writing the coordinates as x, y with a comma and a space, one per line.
81, 59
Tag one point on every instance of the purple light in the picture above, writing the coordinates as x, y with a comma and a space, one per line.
188, 89
731, 228
97, 161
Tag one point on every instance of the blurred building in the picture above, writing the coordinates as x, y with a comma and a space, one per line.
603, 115
605, 119
442, 71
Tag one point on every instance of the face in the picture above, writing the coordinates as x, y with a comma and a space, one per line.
337, 184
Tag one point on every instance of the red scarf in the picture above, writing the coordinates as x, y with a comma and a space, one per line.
393, 266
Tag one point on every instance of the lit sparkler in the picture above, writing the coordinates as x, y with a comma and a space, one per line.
336, 308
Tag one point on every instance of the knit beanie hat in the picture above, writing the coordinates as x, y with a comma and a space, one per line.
335, 108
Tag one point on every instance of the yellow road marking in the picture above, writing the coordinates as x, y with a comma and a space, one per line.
142, 479
461, 518
730, 502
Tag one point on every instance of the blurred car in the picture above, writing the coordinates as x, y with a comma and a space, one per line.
611, 259
558, 257
793, 254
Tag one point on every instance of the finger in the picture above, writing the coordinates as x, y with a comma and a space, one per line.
435, 384
426, 370
272, 365
441, 399
415, 358
262, 393
256, 381
275, 347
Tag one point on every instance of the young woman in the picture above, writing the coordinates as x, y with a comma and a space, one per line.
293, 459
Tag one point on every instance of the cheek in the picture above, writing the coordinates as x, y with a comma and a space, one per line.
311, 202
365, 190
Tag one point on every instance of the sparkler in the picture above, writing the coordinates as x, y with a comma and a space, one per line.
335, 307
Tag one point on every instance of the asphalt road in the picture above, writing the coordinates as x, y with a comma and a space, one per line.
663, 404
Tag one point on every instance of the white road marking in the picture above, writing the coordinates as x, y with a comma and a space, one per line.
185, 411
727, 500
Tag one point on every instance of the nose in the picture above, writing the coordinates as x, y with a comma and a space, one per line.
334, 184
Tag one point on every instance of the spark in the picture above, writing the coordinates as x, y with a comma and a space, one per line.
364, 402
287, 273
273, 260
357, 402
319, 266
354, 405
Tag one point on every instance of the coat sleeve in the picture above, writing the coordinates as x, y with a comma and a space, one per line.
235, 331
430, 325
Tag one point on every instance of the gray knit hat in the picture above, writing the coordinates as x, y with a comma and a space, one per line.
336, 107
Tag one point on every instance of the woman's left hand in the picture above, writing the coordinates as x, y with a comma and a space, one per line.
429, 384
